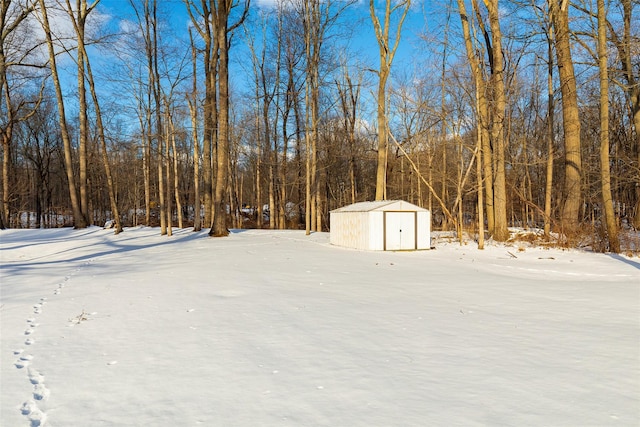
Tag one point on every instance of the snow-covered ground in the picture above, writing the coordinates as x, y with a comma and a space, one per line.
275, 328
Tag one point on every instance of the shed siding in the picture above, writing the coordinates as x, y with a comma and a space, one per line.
351, 229
424, 230
376, 231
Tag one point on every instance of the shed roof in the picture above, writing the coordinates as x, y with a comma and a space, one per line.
384, 205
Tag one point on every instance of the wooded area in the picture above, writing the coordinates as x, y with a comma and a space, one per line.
522, 114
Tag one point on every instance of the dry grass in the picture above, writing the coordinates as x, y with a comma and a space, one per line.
588, 238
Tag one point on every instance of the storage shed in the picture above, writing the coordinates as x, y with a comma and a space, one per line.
390, 225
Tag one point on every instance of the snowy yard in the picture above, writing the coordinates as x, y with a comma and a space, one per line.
275, 328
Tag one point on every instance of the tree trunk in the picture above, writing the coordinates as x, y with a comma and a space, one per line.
386, 53
605, 172
103, 143
480, 187
571, 120
176, 175
483, 116
205, 24
501, 231
79, 20
550, 136
79, 219
219, 227
154, 82
167, 168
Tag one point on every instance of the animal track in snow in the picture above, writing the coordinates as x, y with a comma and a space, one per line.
36, 417
40, 392
35, 377
32, 325
23, 361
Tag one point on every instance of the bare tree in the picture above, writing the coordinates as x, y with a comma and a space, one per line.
79, 219
559, 15
79, 18
349, 93
605, 172
12, 16
221, 12
630, 83
387, 51
83, 10
192, 99
205, 24
548, 189
498, 105
314, 38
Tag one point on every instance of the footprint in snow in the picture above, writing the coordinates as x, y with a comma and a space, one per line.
40, 392
29, 341
36, 417
35, 377
37, 308
23, 361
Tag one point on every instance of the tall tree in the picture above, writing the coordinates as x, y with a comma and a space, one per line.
498, 105
482, 107
605, 167
318, 17
203, 21
192, 99
387, 51
12, 16
313, 42
559, 14
550, 134
221, 12
78, 15
626, 47
79, 219
79, 21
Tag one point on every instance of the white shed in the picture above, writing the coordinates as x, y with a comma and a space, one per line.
390, 225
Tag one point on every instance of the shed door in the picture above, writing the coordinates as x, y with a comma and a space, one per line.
400, 231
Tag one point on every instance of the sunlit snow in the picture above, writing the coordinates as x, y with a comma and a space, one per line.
275, 328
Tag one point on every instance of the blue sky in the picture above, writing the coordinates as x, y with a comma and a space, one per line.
363, 47
364, 43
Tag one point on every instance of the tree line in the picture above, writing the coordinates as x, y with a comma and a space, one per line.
522, 114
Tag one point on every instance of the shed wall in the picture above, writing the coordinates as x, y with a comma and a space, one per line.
376, 231
424, 230
350, 229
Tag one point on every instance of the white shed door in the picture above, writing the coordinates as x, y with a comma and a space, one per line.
400, 231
